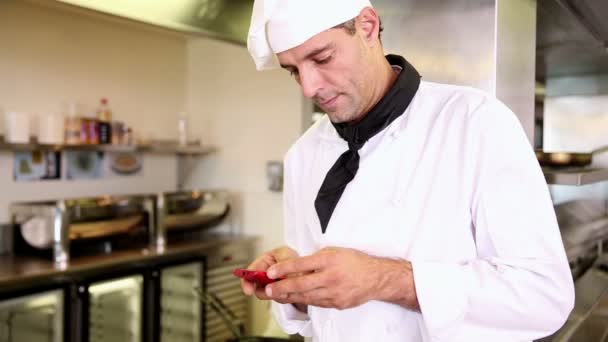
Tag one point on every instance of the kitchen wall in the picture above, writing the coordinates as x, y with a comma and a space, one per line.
49, 56
52, 55
252, 117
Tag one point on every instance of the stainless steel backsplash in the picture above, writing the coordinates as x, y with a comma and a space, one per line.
487, 44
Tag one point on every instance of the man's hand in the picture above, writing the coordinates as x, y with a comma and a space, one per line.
262, 263
342, 278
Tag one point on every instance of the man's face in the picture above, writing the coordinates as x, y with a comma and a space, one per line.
331, 70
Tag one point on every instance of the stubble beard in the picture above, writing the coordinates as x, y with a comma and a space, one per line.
347, 114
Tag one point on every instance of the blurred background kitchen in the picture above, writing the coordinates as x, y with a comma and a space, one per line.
140, 157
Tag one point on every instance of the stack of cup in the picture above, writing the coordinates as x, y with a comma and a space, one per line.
17, 127
51, 129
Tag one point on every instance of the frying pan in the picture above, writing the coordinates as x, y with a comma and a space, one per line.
562, 159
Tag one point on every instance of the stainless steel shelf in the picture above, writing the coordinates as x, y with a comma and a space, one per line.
575, 177
191, 150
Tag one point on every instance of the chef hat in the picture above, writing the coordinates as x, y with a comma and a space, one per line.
279, 25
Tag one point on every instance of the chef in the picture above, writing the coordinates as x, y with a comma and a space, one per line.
414, 211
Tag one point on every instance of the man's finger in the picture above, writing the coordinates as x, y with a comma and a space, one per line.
262, 263
260, 293
317, 297
283, 253
305, 264
298, 284
247, 287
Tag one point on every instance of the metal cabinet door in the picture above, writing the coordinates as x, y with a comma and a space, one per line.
33, 318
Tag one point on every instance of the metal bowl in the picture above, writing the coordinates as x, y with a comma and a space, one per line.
195, 209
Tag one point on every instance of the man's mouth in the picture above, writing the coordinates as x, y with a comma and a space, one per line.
329, 102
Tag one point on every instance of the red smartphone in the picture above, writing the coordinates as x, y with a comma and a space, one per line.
258, 277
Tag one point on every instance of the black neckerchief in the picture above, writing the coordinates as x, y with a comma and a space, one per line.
390, 107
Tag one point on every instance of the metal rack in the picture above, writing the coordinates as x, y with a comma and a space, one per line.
181, 314
575, 177
160, 148
220, 282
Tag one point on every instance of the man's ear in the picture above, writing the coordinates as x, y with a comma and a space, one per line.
369, 24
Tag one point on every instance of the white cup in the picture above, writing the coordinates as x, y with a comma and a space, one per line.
17, 127
51, 129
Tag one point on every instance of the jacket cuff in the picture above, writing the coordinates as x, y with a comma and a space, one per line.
292, 320
442, 290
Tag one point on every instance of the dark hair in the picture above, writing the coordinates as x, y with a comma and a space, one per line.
351, 27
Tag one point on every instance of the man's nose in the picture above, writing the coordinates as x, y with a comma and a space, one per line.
310, 82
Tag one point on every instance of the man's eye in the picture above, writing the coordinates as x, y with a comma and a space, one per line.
293, 73
324, 60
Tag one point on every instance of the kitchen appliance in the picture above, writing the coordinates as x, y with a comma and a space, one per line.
182, 317
219, 19
110, 309
185, 215
181, 314
220, 281
33, 318
582, 243
66, 228
583, 227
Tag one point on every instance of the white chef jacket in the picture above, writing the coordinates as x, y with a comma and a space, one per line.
453, 186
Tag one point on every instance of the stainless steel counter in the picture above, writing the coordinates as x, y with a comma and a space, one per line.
19, 273
588, 320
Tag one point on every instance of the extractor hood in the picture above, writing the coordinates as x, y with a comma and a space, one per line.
572, 38
572, 35
221, 19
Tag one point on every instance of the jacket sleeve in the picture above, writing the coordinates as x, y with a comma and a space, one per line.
520, 283
291, 320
